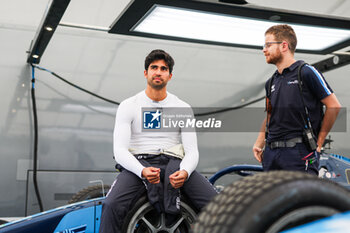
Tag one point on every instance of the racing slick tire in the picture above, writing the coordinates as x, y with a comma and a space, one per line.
271, 202
90, 193
144, 218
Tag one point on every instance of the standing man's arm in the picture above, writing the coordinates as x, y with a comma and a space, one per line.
121, 137
260, 142
320, 88
332, 109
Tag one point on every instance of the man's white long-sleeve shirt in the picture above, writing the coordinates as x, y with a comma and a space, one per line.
129, 139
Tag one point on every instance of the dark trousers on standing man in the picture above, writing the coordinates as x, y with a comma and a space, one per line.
291, 159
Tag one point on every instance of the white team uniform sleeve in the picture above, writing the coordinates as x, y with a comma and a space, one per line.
190, 161
121, 140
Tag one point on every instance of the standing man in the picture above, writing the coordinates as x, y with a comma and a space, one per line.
142, 154
287, 121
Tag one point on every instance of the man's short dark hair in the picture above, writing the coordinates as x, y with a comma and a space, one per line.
284, 32
159, 54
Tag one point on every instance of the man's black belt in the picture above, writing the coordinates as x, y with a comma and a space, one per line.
137, 156
288, 143
146, 156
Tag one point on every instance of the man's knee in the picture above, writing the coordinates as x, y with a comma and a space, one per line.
199, 190
123, 193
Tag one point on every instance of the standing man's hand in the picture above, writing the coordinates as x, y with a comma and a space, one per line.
152, 174
178, 178
318, 149
258, 152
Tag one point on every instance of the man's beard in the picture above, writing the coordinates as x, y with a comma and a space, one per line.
274, 59
156, 86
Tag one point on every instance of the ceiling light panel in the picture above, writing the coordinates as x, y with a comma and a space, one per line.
213, 23
177, 22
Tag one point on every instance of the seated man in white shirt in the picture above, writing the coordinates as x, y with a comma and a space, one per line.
141, 154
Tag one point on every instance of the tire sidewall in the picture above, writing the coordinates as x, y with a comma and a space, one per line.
143, 200
272, 201
277, 202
